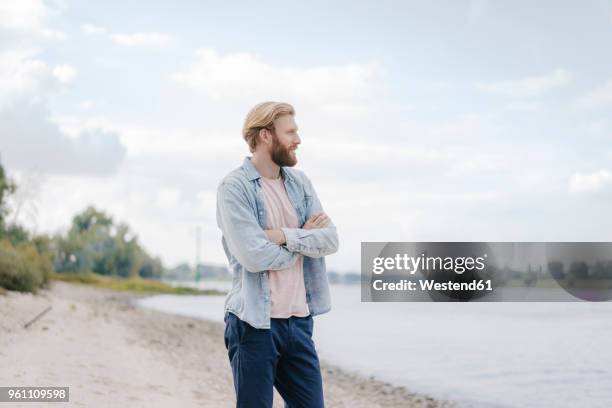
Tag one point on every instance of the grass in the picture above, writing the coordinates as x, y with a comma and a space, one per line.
134, 284
2, 291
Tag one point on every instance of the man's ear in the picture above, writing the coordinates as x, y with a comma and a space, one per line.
264, 135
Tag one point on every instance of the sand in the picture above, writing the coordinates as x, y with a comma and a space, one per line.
111, 353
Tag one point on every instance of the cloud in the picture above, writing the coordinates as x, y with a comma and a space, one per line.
145, 40
599, 129
590, 182
64, 73
28, 16
476, 10
528, 87
30, 140
86, 104
50, 34
21, 73
92, 29
597, 98
524, 106
247, 76
22, 15
148, 40
168, 198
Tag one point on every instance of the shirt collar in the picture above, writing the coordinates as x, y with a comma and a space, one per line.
253, 174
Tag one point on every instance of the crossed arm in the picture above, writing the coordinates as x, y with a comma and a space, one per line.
258, 249
317, 221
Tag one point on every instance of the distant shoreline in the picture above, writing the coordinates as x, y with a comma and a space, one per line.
108, 351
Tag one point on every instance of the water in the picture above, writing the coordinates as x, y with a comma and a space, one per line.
479, 354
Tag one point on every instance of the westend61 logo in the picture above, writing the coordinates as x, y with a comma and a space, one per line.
413, 264
486, 271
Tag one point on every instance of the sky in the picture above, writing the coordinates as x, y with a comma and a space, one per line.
420, 121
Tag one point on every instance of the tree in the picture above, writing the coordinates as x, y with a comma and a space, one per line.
95, 243
24, 265
556, 269
91, 219
7, 187
579, 270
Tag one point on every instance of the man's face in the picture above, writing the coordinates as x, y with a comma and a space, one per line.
285, 141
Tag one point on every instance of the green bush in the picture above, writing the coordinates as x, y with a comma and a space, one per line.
22, 268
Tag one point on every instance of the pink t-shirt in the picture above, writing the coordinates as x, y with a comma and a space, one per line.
287, 290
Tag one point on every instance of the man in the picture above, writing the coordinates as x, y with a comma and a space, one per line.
275, 237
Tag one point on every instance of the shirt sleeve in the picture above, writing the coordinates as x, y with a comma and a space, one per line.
246, 240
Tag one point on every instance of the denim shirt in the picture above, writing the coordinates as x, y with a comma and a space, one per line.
241, 216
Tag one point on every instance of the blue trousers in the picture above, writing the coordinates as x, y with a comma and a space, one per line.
282, 356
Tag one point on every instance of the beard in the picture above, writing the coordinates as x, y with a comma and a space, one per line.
281, 155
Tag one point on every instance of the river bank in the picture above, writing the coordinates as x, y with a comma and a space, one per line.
109, 351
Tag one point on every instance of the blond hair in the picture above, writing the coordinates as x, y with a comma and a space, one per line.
262, 116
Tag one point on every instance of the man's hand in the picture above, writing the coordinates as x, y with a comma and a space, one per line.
277, 236
318, 220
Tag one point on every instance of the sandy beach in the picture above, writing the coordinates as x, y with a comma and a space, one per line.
111, 353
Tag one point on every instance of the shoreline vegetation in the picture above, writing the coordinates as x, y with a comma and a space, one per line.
133, 284
109, 351
95, 250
